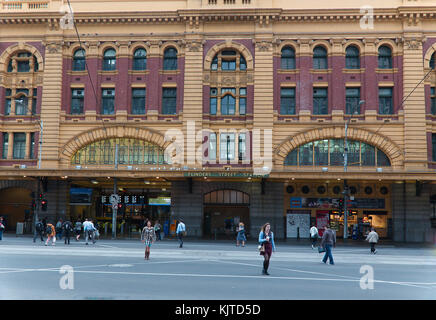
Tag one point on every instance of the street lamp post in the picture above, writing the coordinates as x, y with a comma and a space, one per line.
346, 192
115, 208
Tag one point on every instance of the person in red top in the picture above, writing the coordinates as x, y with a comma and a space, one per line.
50, 235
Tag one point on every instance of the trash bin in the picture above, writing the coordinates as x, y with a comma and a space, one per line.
20, 228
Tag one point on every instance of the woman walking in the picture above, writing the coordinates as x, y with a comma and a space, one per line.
267, 246
372, 238
148, 236
241, 235
51, 234
78, 229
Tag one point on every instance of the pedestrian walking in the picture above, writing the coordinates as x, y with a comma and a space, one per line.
2, 228
267, 246
372, 238
328, 241
67, 229
39, 231
157, 228
59, 229
241, 234
51, 234
89, 229
148, 237
314, 235
78, 229
181, 232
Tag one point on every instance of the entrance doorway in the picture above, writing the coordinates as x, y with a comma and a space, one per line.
16, 207
223, 211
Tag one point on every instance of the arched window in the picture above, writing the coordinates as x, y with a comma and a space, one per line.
432, 61
23, 61
130, 151
384, 57
227, 196
330, 152
140, 59
170, 59
228, 104
352, 59
109, 60
79, 60
288, 58
320, 58
226, 60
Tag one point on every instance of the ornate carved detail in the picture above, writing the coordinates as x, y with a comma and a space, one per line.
413, 44
229, 81
53, 47
194, 45
263, 45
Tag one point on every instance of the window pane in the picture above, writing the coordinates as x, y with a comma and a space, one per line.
108, 101
19, 145
368, 154
321, 152
79, 60
21, 104
288, 58
352, 60
228, 105
242, 106
138, 101
214, 64
242, 146
384, 57
385, 101
336, 152
353, 153
287, 101
170, 59
320, 101
382, 159
227, 146
352, 100
242, 64
77, 99
6, 144
169, 101
320, 58
140, 59
291, 158
212, 146
306, 154
109, 60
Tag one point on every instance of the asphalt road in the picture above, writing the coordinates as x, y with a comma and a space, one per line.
116, 269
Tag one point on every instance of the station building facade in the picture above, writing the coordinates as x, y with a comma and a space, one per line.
220, 111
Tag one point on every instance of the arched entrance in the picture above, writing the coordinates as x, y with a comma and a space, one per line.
223, 210
16, 206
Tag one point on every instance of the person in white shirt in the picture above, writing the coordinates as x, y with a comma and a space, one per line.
372, 238
89, 229
314, 235
181, 230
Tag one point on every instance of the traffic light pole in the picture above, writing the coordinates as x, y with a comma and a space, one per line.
115, 208
37, 206
345, 181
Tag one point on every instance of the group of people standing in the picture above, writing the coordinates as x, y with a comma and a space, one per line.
65, 229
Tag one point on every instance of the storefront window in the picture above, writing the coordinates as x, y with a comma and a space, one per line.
130, 151
331, 152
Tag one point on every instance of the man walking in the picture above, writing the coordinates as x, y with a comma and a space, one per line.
314, 235
59, 229
67, 228
89, 229
372, 238
328, 241
39, 231
181, 231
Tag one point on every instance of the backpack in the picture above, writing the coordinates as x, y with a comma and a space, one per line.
48, 230
39, 226
67, 226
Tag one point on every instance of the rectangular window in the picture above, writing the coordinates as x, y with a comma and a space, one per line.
320, 101
6, 145
352, 98
367, 154
433, 138
228, 101
305, 154
212, 146
242, 101
287, 101
138, 100
228, 65
8, 102
433, 100
34, 100
21, 102
32, 146
336, 152
321, 152
213, 100
227, 146
169, 101
242, 147
77, 99
19, 145
385, 101
108, 101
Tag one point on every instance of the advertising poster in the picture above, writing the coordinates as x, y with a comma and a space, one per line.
322, 219
298, 224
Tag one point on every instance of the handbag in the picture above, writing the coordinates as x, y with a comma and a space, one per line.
321, 249
261, 248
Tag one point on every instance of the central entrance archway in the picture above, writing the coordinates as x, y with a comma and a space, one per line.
16, 206
223, 210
